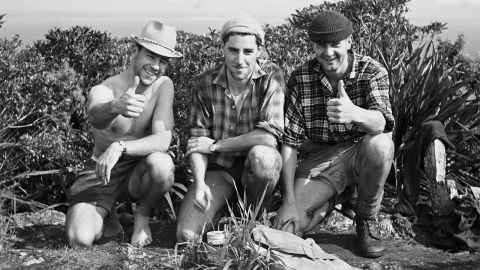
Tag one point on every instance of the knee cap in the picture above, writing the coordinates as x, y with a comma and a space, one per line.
264, 162
186, 236
79, 238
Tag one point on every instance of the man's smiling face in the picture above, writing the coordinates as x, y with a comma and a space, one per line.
333, 56
241, 52
149, 66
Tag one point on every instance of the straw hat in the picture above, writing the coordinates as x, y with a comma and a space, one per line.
158, 38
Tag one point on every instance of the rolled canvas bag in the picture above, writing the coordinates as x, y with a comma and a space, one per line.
292, 252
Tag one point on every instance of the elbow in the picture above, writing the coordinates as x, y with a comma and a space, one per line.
381, 125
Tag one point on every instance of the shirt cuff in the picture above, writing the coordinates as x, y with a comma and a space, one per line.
199, 132
275, 131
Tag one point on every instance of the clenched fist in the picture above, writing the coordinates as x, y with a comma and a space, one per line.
341, 110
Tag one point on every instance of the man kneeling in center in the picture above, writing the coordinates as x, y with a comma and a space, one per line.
236, 121
132, 118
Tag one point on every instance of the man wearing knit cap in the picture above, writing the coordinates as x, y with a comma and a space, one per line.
236, 122
132, 119
338, 115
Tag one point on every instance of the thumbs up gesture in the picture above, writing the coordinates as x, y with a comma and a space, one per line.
131, 104
341, 109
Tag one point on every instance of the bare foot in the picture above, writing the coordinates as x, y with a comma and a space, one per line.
111, 225
142, 235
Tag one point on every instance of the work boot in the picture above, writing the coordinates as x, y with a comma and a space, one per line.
369, 246
348, 210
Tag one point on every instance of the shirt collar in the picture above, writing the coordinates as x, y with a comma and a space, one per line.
354, 68
221, 78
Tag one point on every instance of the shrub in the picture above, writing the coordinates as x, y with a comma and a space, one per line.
35, 129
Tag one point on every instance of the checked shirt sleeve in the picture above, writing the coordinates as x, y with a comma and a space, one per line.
200, 114
271, 113
378, 98
294, 119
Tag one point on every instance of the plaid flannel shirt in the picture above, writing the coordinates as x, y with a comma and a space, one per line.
308, 91
214, 114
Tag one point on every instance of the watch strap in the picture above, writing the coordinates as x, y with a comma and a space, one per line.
123, 145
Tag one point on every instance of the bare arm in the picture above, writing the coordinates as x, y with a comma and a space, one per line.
369, 121
288, 216
103, 107
343, 110
100, 107
289, 157
246, 141
198, 164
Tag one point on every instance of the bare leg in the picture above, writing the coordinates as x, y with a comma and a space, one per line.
150, 180
262, 171
311, 199
373, 164
191, 220
84, 224
374, 161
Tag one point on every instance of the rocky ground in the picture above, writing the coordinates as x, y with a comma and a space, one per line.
38, 242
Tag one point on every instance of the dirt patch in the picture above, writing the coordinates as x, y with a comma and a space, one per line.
44, 246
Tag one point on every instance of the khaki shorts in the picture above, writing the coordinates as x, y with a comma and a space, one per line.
334, 164
236, 171
89, 188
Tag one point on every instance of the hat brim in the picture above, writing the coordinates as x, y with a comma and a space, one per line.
157, 48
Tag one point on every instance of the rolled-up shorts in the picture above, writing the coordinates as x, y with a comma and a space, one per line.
334, 164
89, 188
235, 171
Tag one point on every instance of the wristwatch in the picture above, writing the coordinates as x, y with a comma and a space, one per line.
123, 145
212, 147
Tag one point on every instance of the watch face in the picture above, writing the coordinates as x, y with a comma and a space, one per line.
124, 147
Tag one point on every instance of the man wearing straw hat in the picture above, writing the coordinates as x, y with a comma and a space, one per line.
132, 119
236, 120
337, 111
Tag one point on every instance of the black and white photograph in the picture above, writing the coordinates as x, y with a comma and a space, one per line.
240, 135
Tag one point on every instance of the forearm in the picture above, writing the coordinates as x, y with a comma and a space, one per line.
198, 164
101, 115
246, 141
370, 121
289, 157
149, 144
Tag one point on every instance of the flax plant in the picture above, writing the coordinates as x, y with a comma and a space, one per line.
239, 250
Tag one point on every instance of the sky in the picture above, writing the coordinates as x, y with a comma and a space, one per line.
32, 19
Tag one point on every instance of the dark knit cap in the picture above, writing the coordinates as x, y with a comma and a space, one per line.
329, 26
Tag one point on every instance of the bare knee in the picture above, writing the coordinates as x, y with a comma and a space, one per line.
379, 149
264, 163
187, 235
161, 169
84, 225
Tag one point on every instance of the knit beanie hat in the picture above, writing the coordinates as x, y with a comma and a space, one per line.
329, 26
243, 24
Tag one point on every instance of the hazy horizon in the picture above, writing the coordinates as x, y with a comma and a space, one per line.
32, 21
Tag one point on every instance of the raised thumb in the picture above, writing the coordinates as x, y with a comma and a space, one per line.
136, 82
342, 93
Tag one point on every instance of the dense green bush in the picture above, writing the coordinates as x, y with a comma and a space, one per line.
43, 129
35, 130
